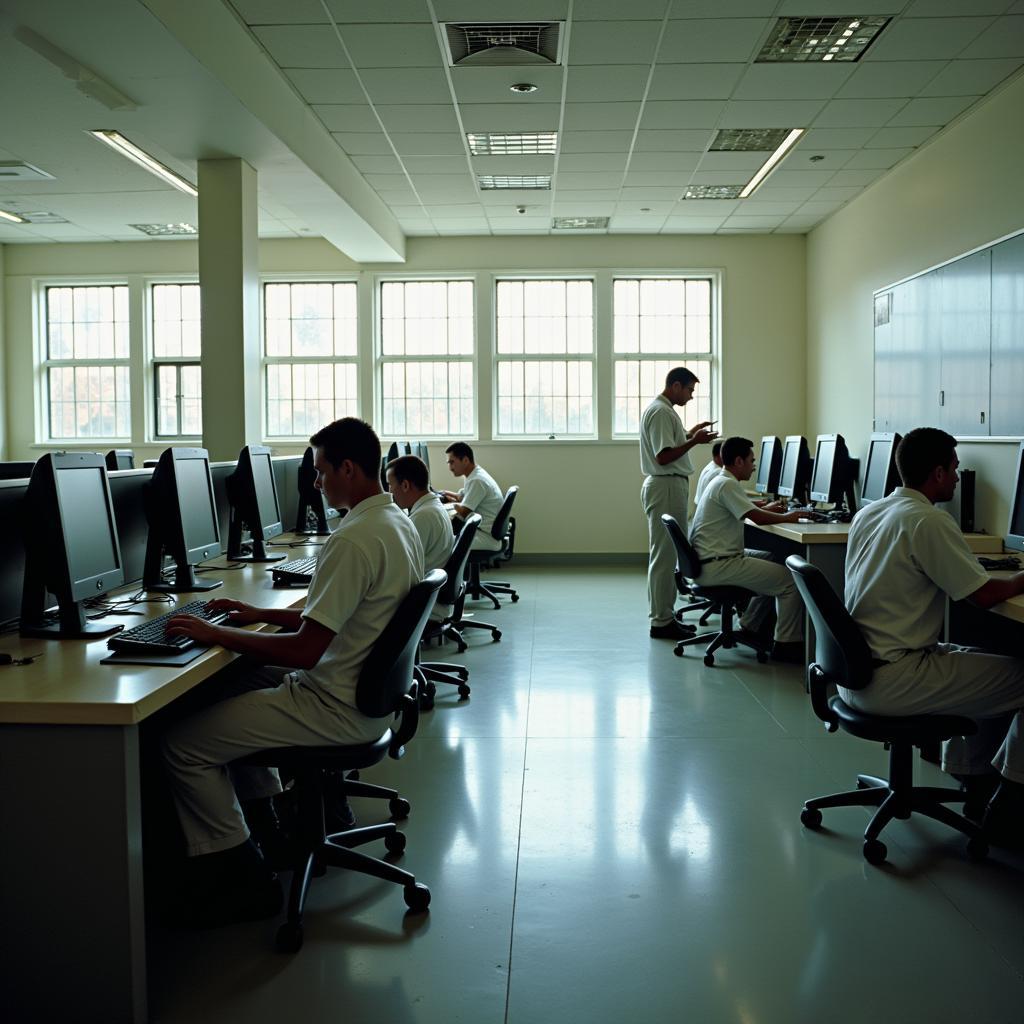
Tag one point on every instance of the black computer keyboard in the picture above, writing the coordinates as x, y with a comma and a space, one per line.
298, 571
151, 637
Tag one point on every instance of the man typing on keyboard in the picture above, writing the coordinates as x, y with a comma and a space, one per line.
295, 687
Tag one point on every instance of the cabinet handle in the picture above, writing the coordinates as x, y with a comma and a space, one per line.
983, 416
942, 398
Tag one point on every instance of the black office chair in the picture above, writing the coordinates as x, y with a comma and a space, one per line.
452, 594
724, 598
502, 530
842, 658
386, 687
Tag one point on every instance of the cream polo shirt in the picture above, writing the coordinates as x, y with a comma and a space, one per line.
903, 557
482, 495
365, 570
706, 475
717, 529
661, 428
436, 536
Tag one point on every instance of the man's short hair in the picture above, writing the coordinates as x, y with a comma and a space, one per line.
921, 451
353, 439
460, 450
680, 375
716, 448
734, 448
411, 469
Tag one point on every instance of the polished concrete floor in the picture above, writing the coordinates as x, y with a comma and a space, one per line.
611, 834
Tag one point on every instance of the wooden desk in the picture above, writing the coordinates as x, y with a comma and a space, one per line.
71, 854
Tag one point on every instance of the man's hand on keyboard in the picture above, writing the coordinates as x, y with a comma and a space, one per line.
239, 613
199, 630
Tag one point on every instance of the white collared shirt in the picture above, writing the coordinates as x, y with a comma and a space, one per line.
903, 557
435, 530
365, 570
706, 475
661, 428
717, 530
482, 495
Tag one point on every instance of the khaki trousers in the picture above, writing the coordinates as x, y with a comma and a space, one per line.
661, 495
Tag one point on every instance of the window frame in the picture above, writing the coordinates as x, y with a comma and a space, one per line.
154, 362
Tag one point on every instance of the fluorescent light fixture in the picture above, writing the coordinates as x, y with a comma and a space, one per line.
766, 168
117, 142
512, 143
165, 230
492, 181
579, 223
12, 217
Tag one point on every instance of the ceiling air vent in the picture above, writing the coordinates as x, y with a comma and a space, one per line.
712, 192
749, 140
503, 44
580, 223
41, 217
13, 170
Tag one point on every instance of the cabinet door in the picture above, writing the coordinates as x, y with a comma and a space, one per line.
1008, 338
883, 362
915, 354
965, 291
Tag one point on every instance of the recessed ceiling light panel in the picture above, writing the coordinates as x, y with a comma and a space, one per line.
796, 40
532, 181
579, 223
712, 192
748, 140
512, 143
165, 230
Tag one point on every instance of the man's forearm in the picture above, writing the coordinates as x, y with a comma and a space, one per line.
284, 649
289, 619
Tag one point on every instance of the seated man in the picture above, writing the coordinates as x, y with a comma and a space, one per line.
717, 537
365, 570
409, 483
710, 470
479, 494
905, 557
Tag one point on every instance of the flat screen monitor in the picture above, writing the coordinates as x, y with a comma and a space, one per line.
1015, 530
15, 470
880, 472
128, 491
796, 468
182, 512
71, 545
12, 549
311, 514
769, 465
832, 479
120, 458
252, 494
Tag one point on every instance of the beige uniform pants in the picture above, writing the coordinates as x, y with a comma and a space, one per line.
755, 571
953, 680
262, 709
661, 495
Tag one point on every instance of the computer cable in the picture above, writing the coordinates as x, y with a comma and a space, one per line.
28, 659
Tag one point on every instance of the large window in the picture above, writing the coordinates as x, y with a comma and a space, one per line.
310, 355
660, 323
426, 364
177, 375
545, 357
86, 362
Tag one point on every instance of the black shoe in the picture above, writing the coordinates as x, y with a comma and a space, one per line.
978, 791
673, 631
338, 813
790, 653
1003, 824
230, 886
750, 638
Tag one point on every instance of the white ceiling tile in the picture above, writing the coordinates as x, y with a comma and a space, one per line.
592, 162
614, 83
716, 9
411, 225
419, 165
796, 225
1004, 39
694, 81
584, 209
656, 193
859, 176
610, 10
407, 213
492, 85
519, 222
668, 179
346, 117
386, 181
328, 85
970, 77
732, 161
498, 10
770, 193
784, 177
770, 113
427, 182
499, 117
302, 46
424, 118
399, 197
803, 156
273, 12
594, 142
1017, 8
377, 164
406, 85
926, 39
605, 42
879, 79
707, 207
597, 195
466, 211
461, 223
681, 114
640, 223
818, 209
494, 200
664, 161
536, 164
712, 40
839, 8
952, 8
837, 194
650, 207
428, 143
392, 46
347, 11
899, 138
665, 141
792, 81
758, 223
585, 117
691, 225
585, 179
720, 177
835, 138
858, 113
932, 110
442, 196
363, 143
754, 208
882, 159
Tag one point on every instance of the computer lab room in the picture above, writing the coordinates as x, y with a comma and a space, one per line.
499, 505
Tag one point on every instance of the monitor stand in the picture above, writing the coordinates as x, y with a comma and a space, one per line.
302, 518
184, 581
259, 551
71, 624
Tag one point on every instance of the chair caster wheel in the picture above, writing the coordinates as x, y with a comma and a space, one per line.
875, 851
810, 817
289, 937
426, 702
463, 693
679, 650
762, 658
417, 897
709, 660
462, 648
977, 849
395, 842
462, 673
515, 597
495, 635
399, 807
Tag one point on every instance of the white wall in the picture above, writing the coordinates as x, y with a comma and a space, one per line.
576, 498
961, 191
3, 367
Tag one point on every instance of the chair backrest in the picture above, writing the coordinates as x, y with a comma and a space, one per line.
500, 527
387, 673
455, 567
841, 654
687, 562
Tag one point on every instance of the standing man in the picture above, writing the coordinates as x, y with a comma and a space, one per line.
480, 494
664, 459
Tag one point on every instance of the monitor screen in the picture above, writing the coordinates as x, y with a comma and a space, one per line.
764, 464
824, 458
266, 498
876, 472
88, 523
790, 465
195, 500
1016, 531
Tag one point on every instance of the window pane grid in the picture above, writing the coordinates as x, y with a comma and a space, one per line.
176, 326
302, 397
545, 397
638, 381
